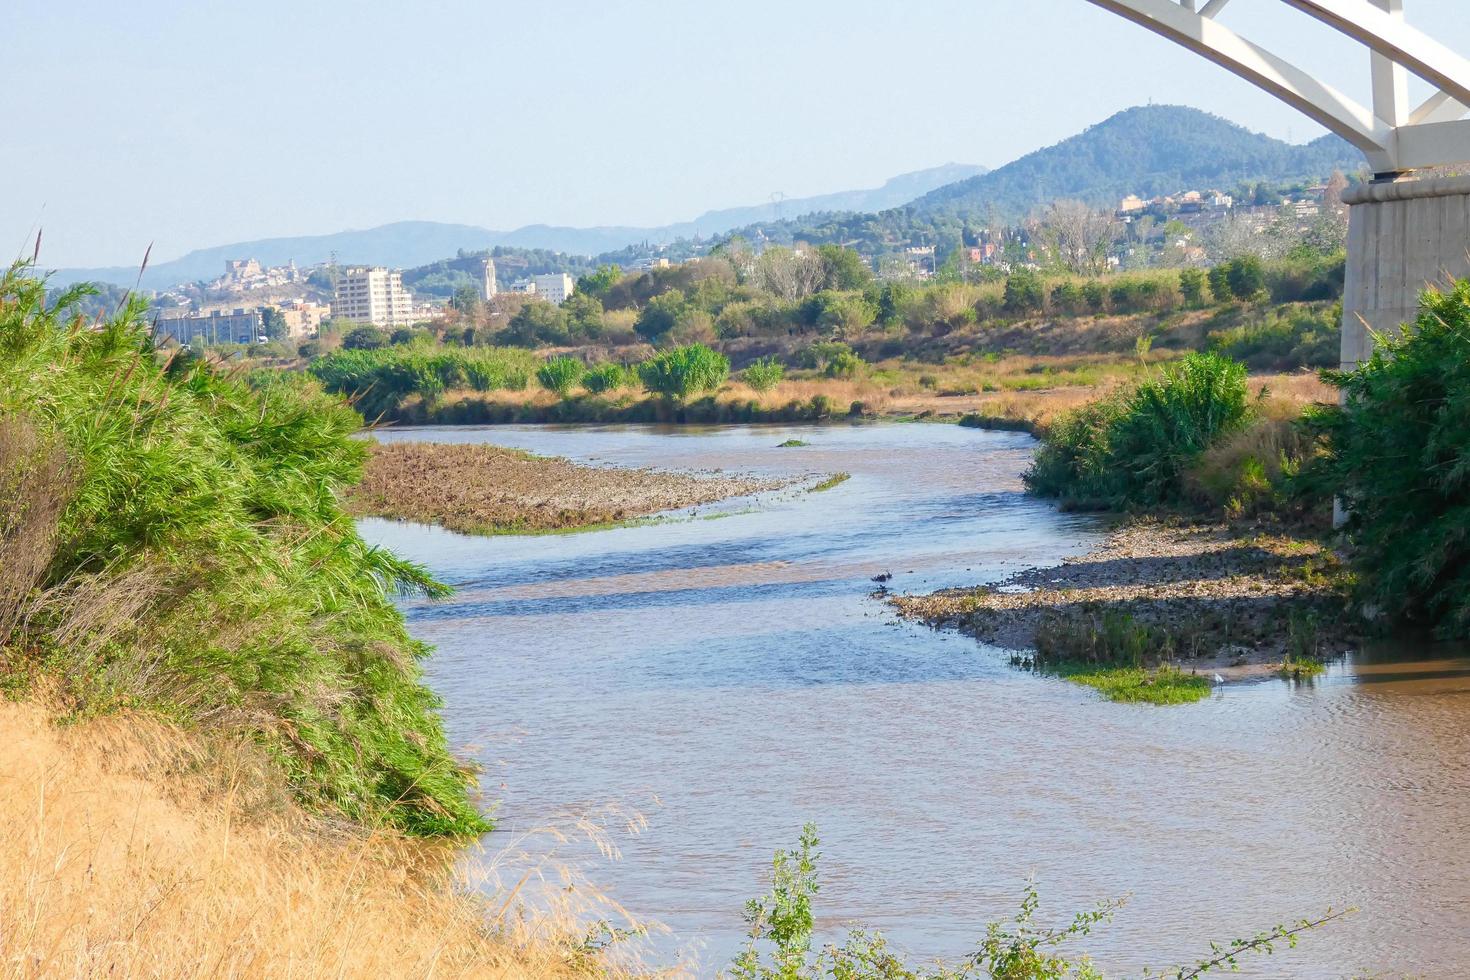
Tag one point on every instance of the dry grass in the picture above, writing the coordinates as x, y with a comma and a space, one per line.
114, 862
35, 484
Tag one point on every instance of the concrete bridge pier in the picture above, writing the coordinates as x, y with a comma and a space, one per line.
1403, 235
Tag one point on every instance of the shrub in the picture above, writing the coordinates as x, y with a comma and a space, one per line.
1284, 340
660, 316
1025, 292
1246, 277
845, 364
764, 374
1251, 471
1192, 286
685, 371
1398, 452
561, 375
198, 563
1132, 449
1219, 280
606, 377
366, 337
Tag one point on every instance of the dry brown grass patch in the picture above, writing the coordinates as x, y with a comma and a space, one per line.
115, 863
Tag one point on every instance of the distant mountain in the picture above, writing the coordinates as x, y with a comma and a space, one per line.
412, 243
1149, 151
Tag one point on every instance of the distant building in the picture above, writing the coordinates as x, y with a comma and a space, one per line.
303, 318
554, 288
238, 326
372, 295
241, 268
488, 286
1131, 203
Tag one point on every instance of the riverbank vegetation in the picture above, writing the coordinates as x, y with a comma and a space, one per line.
132, 848
175, 543
811, 334
483, 489
1283, 589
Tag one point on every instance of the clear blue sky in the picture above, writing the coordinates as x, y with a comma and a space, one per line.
190, 123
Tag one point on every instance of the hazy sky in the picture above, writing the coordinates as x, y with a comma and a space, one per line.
190, 123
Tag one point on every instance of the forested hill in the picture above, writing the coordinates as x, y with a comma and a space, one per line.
1149, 151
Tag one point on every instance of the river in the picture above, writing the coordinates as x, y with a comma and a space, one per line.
732, 678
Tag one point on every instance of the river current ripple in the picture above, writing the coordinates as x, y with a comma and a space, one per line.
732, 678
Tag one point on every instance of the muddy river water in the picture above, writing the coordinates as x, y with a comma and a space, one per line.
733, 678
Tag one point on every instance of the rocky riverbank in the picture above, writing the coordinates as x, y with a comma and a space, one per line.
1211, 597
481, 489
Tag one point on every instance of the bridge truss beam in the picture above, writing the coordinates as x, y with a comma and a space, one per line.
1393, 136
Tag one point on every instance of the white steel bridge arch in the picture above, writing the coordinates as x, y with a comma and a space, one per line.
1395, 136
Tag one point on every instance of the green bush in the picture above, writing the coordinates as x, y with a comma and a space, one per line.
379, 380
685, 371
845, 364
194, 559
1284, 340
1132, 449
764, 374
1246, 277
366, 337
1024, 292
560, 375
1398, 452
606, 377
1192, 286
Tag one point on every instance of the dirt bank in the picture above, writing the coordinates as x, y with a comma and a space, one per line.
1233, 601
480, 489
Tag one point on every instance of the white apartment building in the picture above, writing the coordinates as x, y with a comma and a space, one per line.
372, 295
554, 288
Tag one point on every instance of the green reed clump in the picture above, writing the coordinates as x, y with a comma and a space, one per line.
1132, 449
379, 380
608, 377
1397, 451
560, 375
1115, 654
684, 371
197, 561
764, 374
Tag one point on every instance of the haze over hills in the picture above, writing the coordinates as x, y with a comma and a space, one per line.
412, 243
1148, 151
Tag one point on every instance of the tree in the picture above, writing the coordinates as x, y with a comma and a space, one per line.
1078, 237
584, 315
684, 371
1192, 286
596, 284
537, 323
843, 269
402, 335
365, 337
788, 274
660, 316
466, 300
1219, 279
273, 323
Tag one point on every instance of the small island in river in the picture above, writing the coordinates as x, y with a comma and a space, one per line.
483, 489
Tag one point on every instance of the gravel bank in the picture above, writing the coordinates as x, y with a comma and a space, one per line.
1233, 598
480, 489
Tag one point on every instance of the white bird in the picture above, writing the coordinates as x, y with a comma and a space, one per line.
1219, 679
